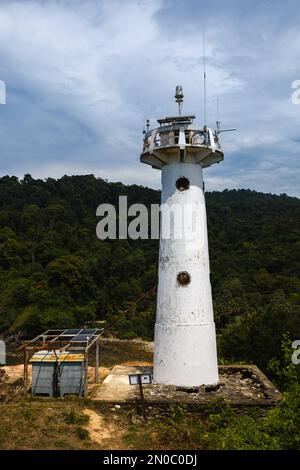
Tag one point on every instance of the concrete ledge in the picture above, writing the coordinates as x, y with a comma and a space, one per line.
240, 385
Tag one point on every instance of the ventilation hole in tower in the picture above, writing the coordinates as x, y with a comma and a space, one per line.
182, 184
183, 278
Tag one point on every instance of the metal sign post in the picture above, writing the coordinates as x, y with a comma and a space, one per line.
140, 379
2, 352
142, 397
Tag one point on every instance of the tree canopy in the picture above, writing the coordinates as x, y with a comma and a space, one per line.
54, 272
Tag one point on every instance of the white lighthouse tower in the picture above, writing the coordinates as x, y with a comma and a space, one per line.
185, 352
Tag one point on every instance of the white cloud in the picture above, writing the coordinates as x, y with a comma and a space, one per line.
82, 77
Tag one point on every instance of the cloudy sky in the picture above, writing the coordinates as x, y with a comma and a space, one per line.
83, 76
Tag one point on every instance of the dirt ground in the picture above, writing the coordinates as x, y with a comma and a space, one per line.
42, 424
14, 373
106, 435
70, 423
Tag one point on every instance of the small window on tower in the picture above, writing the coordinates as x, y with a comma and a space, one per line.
183, 279
182, 184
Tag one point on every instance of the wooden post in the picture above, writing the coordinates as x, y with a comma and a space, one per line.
25, 370
142, 397
97, 362
86, 374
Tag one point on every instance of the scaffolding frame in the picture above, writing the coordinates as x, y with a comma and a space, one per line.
55, 339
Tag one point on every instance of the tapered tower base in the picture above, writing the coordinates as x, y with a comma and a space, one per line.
185, 355
185, 352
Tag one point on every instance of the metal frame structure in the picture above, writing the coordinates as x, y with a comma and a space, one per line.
73, 340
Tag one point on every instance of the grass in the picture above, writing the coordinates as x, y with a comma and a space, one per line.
221, 427
82, 433
113, 353
72, 417
62, 424
43, 424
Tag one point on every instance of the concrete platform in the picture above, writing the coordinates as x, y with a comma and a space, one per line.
240, 385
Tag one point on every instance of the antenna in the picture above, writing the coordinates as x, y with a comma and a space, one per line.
204, 77
179, 97
227, 130
218, 122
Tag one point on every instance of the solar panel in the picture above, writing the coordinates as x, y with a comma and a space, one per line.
71, 331
84, 335
80, 338
89, 331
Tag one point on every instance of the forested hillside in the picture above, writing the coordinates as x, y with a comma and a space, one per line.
54, 272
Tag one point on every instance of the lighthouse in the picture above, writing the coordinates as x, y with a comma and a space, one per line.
185, 353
